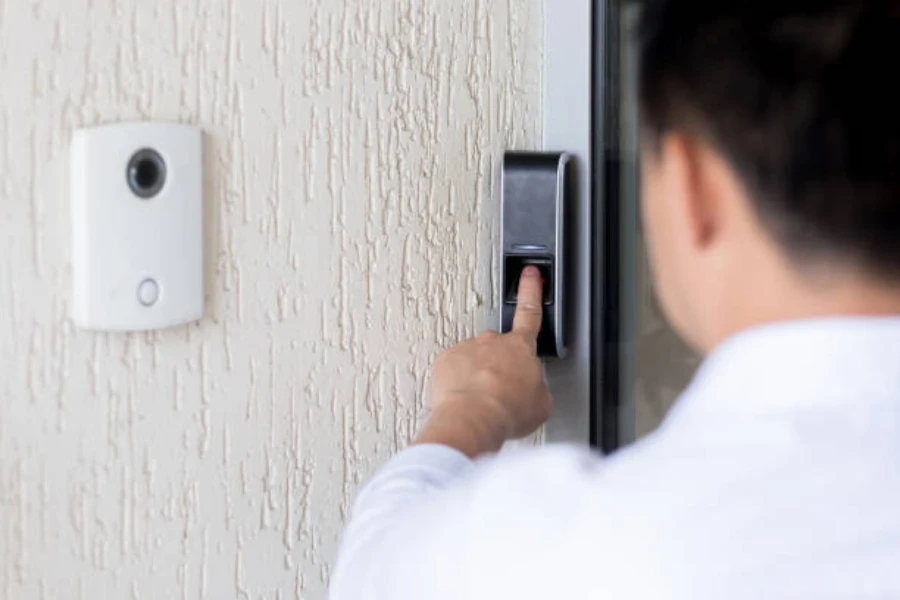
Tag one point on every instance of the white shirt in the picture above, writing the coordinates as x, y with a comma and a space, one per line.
776, 475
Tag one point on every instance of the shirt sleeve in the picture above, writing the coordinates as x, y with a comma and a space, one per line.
434, 524
408, 533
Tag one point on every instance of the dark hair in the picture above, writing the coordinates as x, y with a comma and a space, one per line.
800, 98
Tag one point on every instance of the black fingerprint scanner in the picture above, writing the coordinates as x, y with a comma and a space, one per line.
515, 264
534, 204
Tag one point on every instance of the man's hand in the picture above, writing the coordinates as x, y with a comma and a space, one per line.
491, 388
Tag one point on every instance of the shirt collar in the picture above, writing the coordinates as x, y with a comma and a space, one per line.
838, 362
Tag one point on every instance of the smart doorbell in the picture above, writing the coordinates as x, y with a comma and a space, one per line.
137, 226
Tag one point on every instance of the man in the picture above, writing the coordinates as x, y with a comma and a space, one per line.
771, 202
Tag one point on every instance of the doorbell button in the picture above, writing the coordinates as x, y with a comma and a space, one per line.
148, 292
137, 209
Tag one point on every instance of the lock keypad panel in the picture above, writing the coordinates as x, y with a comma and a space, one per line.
533, 209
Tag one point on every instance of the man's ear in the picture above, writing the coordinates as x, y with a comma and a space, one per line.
692, 171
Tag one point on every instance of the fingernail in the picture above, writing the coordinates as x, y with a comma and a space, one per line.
531, 271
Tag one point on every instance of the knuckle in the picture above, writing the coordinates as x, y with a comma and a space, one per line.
488, 378
529, 306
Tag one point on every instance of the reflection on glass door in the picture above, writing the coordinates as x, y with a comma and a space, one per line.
654, 364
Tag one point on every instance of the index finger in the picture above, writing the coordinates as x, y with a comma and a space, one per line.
529, 309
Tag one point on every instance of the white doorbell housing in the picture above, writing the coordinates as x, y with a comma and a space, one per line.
137, 226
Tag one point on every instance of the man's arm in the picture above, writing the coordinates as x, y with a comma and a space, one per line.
410, 535
491, 389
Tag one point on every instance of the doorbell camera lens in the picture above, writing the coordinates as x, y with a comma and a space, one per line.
146, 173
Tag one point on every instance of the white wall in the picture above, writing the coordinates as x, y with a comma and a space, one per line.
351, 157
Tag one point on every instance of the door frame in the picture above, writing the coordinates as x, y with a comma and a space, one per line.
567, 127
581, 115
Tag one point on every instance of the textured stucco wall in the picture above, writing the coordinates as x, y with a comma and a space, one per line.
351, 156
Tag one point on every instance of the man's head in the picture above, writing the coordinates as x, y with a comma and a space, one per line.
771, 162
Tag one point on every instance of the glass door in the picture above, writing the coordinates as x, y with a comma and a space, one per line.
645, 365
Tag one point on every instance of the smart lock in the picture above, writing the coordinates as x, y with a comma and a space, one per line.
535, 186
